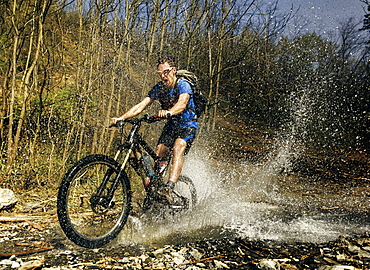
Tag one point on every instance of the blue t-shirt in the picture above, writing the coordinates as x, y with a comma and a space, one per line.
168, 99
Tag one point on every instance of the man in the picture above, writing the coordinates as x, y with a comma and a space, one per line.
176, 98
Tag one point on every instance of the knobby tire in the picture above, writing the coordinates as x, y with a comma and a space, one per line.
89, 220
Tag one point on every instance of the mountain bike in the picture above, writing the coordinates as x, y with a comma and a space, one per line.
95, 195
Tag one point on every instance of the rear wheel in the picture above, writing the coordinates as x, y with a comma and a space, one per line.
184, 194
93, 205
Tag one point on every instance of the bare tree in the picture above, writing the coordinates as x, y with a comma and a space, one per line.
350, 40
26, 85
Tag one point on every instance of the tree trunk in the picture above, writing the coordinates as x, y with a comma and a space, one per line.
11, 150
25, 83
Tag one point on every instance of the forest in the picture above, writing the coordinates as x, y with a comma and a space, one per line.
67, 66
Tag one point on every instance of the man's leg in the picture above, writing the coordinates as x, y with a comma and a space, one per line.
161, 150
177, 160
175, 168
181, 144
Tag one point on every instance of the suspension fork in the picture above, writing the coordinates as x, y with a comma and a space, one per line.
129, 144
106, 201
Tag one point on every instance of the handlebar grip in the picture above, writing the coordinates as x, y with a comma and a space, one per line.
146, 118
119, 123
154, 118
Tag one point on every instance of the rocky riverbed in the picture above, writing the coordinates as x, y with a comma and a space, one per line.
34, 241
30, 236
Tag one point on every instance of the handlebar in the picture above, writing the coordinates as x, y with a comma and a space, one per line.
134, 121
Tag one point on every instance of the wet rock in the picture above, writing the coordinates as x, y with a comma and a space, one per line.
12, 263
33, 265
158, 265
7, 199
178, 258
268, 265
191, 252
219, 264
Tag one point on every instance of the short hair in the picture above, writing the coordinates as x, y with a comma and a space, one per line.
169, 59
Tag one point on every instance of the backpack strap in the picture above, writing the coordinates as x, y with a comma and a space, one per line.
176, 94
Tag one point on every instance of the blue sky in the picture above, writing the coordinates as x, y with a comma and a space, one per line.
324, 15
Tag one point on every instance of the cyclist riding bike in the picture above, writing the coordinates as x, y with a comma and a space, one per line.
176, 98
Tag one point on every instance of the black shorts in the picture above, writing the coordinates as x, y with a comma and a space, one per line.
169, 136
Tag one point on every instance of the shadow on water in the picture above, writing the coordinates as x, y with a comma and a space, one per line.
241, 200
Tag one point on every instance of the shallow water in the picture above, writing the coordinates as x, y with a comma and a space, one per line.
248, 201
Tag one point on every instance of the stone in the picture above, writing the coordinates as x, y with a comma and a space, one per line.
6, 262
268, 265
33, 265
220, 264
177, 258
158, 252
195, 254
7, 198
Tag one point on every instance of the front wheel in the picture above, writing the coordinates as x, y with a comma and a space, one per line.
94, 201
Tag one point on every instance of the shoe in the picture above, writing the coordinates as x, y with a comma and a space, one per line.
167, 192
147, 204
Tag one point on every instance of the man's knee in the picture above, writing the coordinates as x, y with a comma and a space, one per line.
161, 150
179, 147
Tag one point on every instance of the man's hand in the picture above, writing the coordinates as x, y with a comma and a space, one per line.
114, 120
164, 114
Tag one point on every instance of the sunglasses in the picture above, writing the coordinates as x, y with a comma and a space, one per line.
166, 71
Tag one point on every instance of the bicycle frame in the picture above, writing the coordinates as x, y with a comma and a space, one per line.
135, 143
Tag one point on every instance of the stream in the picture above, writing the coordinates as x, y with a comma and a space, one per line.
256, 202
247, 215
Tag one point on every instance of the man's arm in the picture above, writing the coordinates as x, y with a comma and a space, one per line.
178, 107
135, 110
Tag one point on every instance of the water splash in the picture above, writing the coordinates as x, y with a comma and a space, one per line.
246, 200
250, 210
